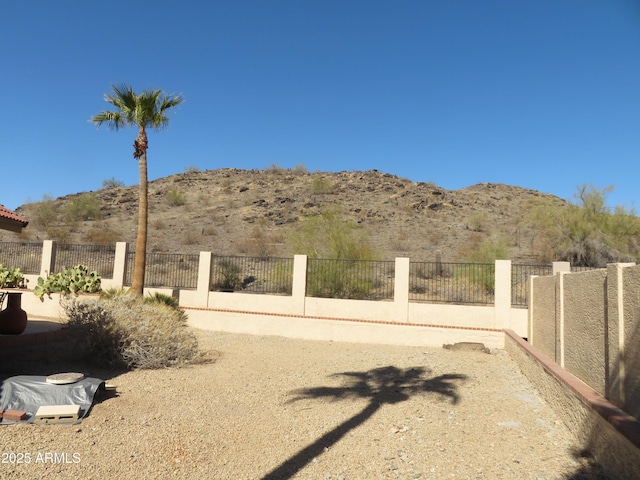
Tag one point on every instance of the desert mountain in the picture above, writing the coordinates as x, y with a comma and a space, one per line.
252, 212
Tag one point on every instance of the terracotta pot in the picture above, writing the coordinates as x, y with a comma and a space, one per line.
13, 319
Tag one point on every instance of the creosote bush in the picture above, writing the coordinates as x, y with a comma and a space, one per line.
131, 332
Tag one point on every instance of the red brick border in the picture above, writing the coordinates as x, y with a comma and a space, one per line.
621, 421
339, 319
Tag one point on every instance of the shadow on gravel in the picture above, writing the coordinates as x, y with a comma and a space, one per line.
385, 385
589, 468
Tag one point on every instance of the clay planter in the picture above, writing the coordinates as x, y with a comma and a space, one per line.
13, 319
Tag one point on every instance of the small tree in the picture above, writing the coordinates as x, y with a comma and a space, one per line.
587, 232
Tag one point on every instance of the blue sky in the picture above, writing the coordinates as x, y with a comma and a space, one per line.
542, 94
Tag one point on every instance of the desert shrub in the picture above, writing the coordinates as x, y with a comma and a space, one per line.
162, 299
480, 255
103, 234
192, 169
112, 183
175, 198
586, 232
300, 168
126, 331
321, 185
340, 279
276, 169
329, 235
59, 234
227, 275
83, 207
42, 213
259, 244
478, 222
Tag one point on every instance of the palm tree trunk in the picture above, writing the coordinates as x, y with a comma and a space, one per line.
137, 286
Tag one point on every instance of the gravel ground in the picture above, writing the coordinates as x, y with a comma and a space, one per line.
275, 408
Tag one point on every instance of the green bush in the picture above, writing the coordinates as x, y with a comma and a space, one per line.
228, 276
339, 279
127, 331
587, 232
330, 235
44, 212
481, 253
321, 185
74, 280
83, 207
175, 198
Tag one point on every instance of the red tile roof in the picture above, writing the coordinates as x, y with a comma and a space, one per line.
5, 213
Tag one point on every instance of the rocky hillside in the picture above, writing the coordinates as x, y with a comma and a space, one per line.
252, 212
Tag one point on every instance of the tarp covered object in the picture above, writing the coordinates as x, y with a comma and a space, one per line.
29, 392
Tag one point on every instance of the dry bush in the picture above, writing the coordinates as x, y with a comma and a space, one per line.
192, 238
158, 224
208, 231
103, 234
125, 331
260, 244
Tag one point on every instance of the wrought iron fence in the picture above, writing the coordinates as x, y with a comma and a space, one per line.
173, 270
428, 281
463, 283
252, 274
100, 258
519, 276
27, 256
356, 279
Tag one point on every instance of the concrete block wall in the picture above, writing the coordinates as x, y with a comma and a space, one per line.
589, 324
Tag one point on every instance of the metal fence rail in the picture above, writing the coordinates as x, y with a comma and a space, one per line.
27, 256
252, 274
100, 258
436, 282
355, 279
519, 276
462, 283
173, 270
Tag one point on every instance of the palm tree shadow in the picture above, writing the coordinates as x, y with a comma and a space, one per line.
381, 386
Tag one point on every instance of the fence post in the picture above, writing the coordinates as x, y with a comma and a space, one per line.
204, 279
120, 264
299, 286
560, 320
48, 258
502, 292
617, 324
560, 267
401, 290
530, 302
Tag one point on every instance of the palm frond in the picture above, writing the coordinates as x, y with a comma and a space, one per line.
147, 109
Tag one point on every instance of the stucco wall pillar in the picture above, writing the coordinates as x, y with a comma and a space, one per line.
48, 258
502, 294
401, 290
120, 264
299, 287
201, 298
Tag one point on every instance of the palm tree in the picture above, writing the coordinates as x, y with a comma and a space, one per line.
144, 110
